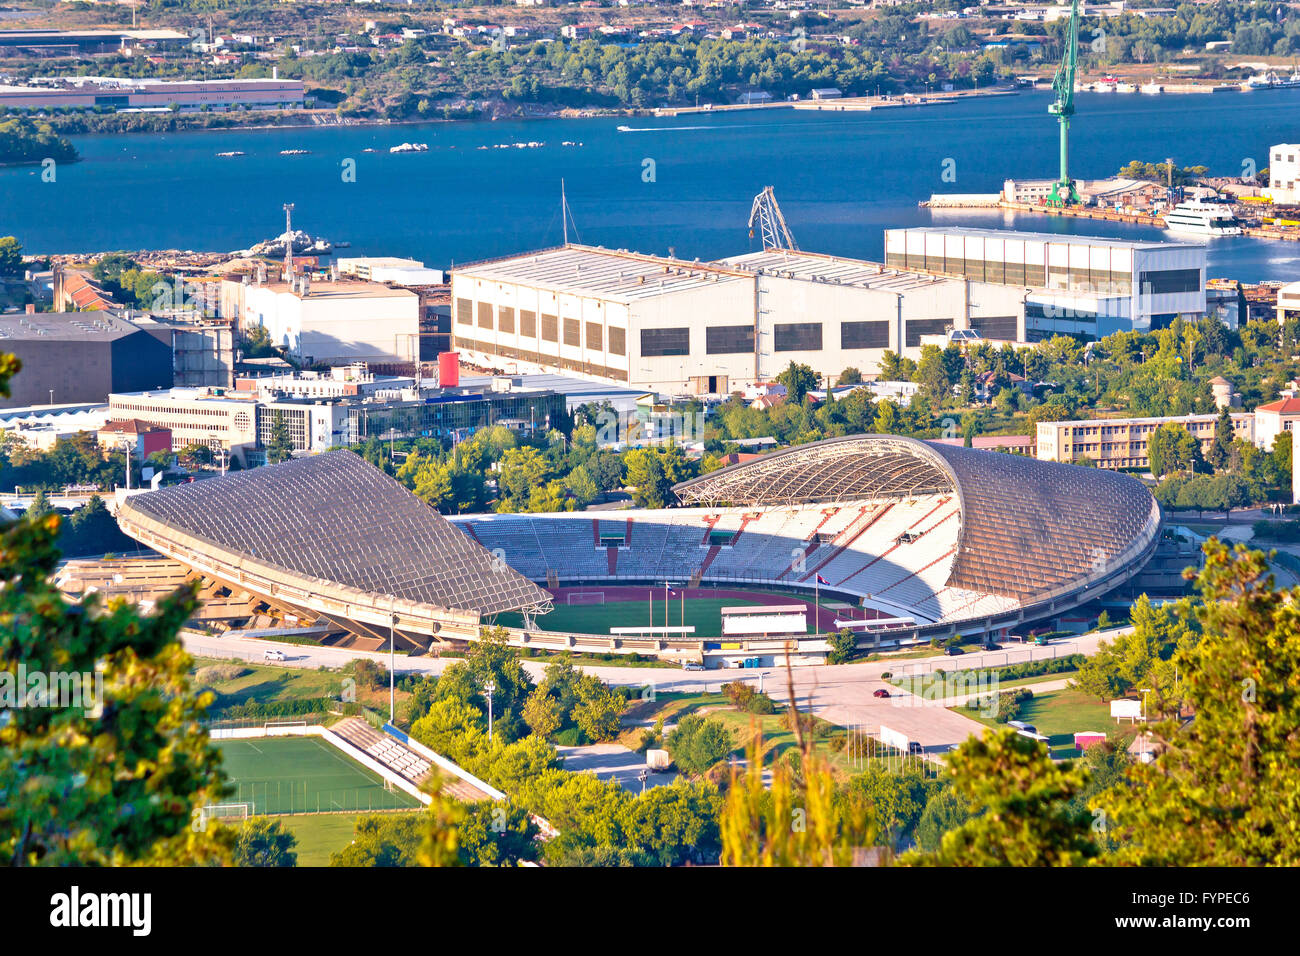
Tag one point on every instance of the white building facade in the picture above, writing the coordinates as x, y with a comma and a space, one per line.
692, 328
1073, 284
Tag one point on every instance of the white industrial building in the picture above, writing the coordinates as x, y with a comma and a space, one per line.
1080, 285
708, 328
1284, 173
332, 322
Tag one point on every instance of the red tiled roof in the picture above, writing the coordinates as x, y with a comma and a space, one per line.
1284, 406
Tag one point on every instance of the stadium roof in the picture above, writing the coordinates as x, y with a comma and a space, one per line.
336, 518
1028, 528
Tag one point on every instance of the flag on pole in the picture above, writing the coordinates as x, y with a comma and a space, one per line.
822, 580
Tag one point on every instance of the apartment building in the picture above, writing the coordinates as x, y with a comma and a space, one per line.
1122, 442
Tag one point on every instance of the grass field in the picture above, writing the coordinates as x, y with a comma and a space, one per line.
778, 738
704, 613
303, 775
319, 835
1058, 715
266, 684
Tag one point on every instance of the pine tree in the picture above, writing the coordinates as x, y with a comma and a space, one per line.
281, 446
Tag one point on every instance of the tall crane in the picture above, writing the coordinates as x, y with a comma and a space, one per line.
1063, 192
771, 223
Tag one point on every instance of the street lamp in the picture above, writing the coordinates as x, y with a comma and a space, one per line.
392, 663
1145, 691
488, 688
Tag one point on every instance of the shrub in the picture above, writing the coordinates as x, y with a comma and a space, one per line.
570, 737
218, 673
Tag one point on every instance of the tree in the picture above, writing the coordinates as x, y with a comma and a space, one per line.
1021, 802
387, 840
896, 800
264, 842
598, 711
1173, 448
11, 256
493, 834
542, 714
117, 773
281, 446
1222, 790
1220, 452
798, 380
580, 484
944, 811
850, 376
844, 644
697, 743
645, 474
1143, 656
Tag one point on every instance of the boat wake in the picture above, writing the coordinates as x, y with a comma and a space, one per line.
658, 129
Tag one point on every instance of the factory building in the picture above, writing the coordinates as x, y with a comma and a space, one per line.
75, 357
331, 322
708, 328
117, 93
1074, 285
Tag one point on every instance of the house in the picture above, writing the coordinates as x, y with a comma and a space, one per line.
827, 93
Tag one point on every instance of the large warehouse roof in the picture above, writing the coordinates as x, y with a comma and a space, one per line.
815, 267
601, 273
336, 518
1028, 528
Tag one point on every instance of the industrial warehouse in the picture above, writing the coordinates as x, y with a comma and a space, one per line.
709, 328
676, 326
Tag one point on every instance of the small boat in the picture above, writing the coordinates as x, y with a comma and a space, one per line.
295, 152
410, 148
233, 152
1151, 89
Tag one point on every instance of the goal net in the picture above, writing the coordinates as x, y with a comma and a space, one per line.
587, 597
227, 812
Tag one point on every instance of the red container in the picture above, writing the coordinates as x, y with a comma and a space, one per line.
448, 369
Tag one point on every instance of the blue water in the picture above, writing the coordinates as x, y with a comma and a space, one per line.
841, 178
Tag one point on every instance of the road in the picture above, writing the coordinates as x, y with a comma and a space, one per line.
841, 694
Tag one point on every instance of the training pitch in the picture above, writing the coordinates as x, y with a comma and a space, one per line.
303, 775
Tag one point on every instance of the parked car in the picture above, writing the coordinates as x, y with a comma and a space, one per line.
880, 692
913, 747
953, 650
991, 646
272, 654
692, 666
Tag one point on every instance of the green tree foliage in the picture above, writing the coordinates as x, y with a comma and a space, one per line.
114, 779
24, 140
1023, 815
1173, 448
490, 659
280, 447
1223, 790
697, 743
11, 256
1142, 657
262, 841
798, 380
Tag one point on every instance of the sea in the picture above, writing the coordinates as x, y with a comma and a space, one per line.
682, 185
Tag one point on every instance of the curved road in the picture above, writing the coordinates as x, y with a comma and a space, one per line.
841, 693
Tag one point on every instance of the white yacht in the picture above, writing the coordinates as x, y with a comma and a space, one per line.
1202, 219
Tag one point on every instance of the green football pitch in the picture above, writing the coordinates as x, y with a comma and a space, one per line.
704, 613
303, 775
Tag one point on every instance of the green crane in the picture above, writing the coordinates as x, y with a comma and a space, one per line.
1063, 191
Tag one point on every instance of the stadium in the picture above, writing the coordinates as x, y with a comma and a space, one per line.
897, 539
